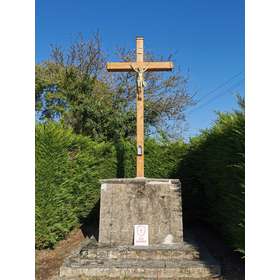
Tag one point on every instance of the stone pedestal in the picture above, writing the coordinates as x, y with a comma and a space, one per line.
128, 202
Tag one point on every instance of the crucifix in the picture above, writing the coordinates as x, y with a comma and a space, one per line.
140, 66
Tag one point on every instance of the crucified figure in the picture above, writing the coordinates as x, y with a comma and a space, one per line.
140, 76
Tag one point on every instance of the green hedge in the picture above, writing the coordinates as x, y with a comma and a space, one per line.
210, 167
69, 166
161, 158
212, 176
67, 171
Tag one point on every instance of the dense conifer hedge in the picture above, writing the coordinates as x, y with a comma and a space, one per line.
210, 167
212, 177
67, 188
68, 167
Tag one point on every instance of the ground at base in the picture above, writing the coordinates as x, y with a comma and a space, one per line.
48, 262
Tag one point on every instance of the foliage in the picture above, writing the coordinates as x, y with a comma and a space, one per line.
68, 167
74, 87
212, 176
80, 101
210, 167
67, 171
161, 157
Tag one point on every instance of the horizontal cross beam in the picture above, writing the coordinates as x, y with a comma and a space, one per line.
130, 66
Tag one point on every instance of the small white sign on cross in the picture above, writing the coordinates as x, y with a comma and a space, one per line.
141, 235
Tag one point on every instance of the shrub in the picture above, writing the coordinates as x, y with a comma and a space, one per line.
212, 176
161, 158
210, 167
67, 171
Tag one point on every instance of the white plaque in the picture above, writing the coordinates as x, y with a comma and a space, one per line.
141, 235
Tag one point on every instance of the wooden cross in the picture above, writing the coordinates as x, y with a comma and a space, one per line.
140, 66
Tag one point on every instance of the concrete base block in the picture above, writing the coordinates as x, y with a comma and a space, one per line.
140, 201
128, 202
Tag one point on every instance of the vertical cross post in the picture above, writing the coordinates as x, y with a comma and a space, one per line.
140, 113
139, 66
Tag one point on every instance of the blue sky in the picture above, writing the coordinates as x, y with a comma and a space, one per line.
207, 37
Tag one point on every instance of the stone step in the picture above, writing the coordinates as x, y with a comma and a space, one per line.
139, 269
154, 252
95, 261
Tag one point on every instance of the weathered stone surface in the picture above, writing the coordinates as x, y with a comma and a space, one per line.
154, 252
143, 269
178, 261
127, 202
